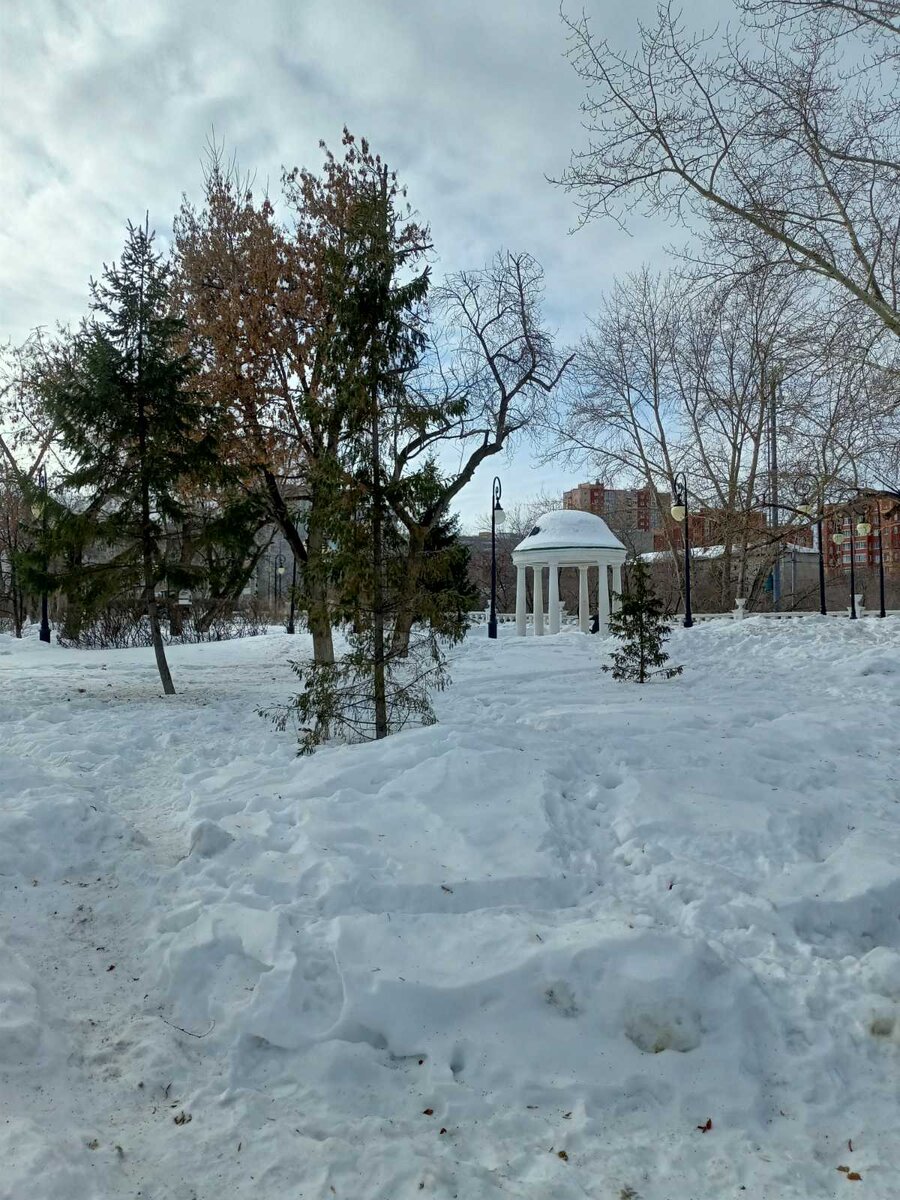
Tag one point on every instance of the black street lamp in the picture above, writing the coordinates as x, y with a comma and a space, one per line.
498, 516
839, 538
45, 623
279, 571
823, 609
680, 513
290, 624
864, 528
808, 510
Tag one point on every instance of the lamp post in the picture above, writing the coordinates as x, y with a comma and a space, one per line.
680, 513
279, 571
775, 376
498, 516
839, 539
290, 624
808, 510
45, 623
864, 528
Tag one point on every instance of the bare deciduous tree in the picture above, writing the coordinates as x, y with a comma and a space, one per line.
872, 19
786, 139
27, 443
492, 368
675, 375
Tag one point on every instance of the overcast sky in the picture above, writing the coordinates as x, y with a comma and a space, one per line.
107, 104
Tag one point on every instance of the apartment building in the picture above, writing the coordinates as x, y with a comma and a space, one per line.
633, 514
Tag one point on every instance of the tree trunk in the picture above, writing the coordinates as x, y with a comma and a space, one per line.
158, 648
378, 676
18, 608
406, 615
176, 620
725, 601
318, 608
146, 523
185, 558
204, 614
402, 631
16, 599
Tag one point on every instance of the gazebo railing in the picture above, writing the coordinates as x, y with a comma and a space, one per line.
478, 617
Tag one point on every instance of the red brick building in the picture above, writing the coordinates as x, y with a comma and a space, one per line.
706, 527
864, 549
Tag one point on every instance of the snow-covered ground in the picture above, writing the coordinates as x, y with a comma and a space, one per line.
532, 951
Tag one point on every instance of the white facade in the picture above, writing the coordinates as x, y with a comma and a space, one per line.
568, 538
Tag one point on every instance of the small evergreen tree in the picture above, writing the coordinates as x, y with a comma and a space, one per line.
136, 433
446, 592
641, 627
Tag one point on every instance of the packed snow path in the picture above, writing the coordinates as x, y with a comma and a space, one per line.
529, 952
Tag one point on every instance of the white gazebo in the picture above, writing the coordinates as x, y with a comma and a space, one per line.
567, 538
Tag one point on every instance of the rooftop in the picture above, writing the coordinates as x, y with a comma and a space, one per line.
570, 529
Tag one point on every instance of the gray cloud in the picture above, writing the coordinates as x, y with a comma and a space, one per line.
107, 107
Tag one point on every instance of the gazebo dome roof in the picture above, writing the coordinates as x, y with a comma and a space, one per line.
569, 529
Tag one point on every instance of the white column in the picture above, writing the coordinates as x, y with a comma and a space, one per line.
521, 616
603, 600
553, 601
617, 586
584, 616
538, 601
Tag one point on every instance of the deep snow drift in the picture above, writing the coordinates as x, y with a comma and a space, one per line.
529, 952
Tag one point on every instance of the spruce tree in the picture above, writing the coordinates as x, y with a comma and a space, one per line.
376, 341
445, 593
380, 333
642, 630
133, 429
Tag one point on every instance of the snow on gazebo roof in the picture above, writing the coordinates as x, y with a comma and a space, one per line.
569, 529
